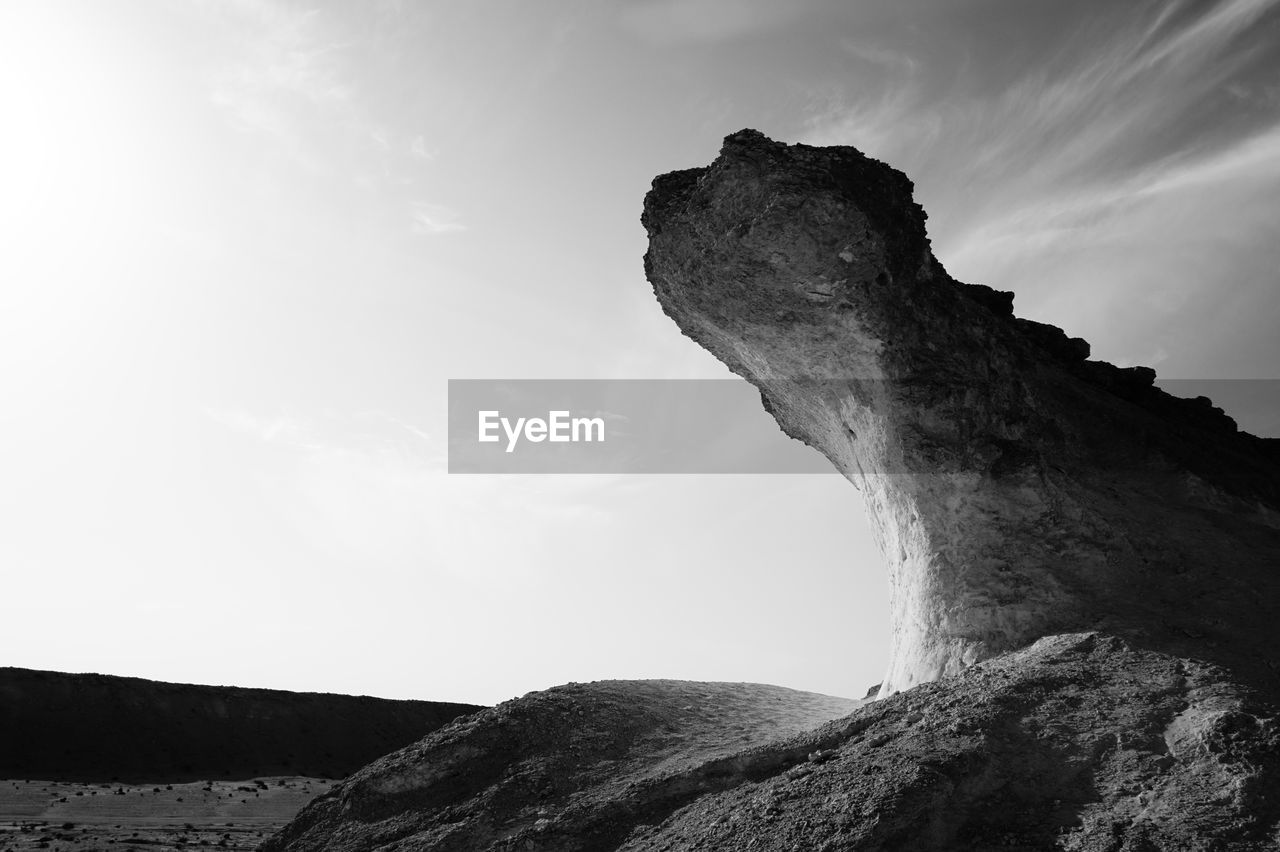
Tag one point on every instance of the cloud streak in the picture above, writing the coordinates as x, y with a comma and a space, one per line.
433, 219
1119, 186
285, 75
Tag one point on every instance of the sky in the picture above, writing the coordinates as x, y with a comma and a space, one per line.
247, 243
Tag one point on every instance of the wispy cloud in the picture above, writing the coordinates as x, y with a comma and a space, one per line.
365, 432
293, 75
877, 54
418, 148
434, 219
1112, 185
276, 428
284, 72
1219, 24
298, 80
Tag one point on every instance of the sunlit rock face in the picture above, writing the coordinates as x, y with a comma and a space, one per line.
1017, 489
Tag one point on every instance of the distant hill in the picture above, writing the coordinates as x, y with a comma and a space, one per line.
90, 727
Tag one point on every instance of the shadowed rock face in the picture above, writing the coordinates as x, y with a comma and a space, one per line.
1017, 488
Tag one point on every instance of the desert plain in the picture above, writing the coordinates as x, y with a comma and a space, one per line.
61, 816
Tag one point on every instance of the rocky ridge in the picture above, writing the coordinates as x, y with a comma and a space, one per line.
1078, 742
576, 767
92, 727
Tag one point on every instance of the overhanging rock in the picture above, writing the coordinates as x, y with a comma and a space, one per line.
1017, 489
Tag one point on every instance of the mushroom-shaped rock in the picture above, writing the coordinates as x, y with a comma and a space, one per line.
1018, 489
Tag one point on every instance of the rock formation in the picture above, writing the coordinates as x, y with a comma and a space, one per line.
1079, 742
1018, 489
577, 767
1084, 578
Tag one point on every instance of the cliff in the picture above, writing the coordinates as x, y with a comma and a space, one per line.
90, 727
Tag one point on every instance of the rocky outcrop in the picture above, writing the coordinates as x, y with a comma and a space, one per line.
91, 727
577, 767
1084, 581
1018, 489
1079, 742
